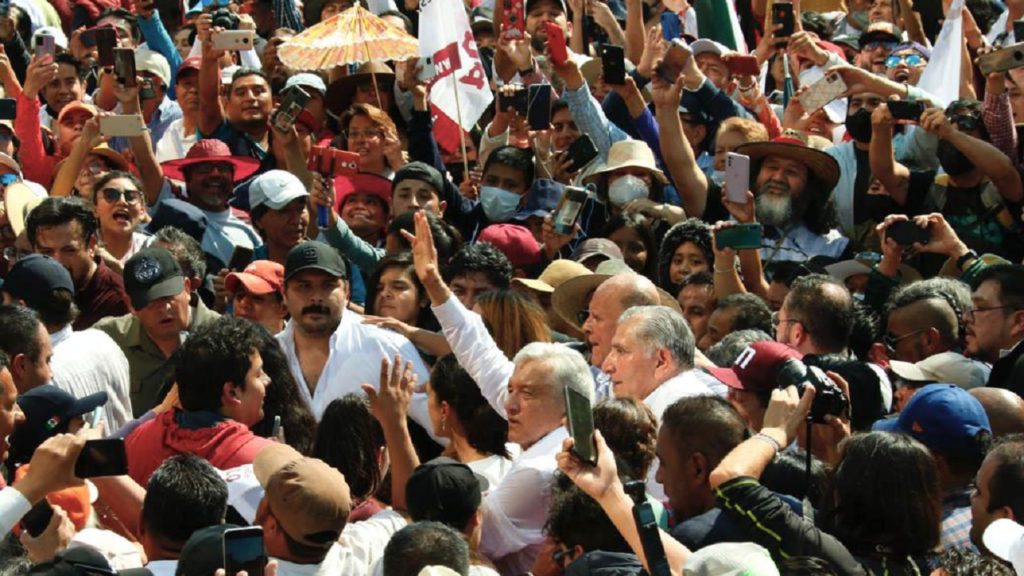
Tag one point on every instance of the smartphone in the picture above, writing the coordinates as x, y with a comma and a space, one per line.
104, 457
582, 152
906, 233
737, 177
556, 43
124, 66
513, 19
906, 111
741, 64
426, 69
38, 518
342, 162
613, 64
820, 93
539, 106
671, 26
674, 61
580, 416
45, 44
275, 431
782, 13
1018, 31
126, 125
241, 256
8, 108
739, 237
567, 213
516, 98
243, 550
1001, 60
232, 40
295, 99
106, 41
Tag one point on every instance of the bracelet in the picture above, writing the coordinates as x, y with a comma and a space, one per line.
726, 271
971, 254
768, 440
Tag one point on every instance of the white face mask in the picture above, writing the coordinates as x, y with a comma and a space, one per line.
718, 177
627, 188
499, 204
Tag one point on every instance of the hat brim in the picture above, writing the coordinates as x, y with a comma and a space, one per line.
1002, 536
823, 166
908, 371
253, 283
169, 287
291, 197
87, 404
341, 91
19, 200
113, 156
570, 298
609, 168
887, 425
244, 167
535, 285
728, 377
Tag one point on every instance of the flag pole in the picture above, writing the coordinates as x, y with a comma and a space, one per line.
462, 133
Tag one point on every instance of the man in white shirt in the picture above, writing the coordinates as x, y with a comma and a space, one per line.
181, 133
330, 351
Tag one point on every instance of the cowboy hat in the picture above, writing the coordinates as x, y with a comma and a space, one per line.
19, 200
570, 298
630, 154
341, 90
210, 150
794, 147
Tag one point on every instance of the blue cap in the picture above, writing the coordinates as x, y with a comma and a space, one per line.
179, 214
943, 417
541, 199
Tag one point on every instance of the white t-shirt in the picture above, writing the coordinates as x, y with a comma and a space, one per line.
175, 143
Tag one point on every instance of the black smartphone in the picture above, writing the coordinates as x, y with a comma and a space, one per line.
1018, 31
241, 256
106, 41
243, 550
520, 101
104, 457
582, 151
539, 106
124, 66
292, 103
8, 108
38, 518
908, 111
581, 425
782, 13
613, 64
906, 233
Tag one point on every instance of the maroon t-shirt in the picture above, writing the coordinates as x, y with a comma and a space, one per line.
103, 296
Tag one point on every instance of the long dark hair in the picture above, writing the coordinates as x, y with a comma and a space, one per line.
349, 439
486, 431
425, 319
642, 226
283, 399
820, 213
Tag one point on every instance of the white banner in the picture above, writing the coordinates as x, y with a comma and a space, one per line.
941, 78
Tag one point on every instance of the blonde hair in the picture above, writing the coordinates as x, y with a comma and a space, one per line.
513, 320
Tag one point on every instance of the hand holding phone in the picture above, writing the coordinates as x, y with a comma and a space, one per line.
782, 13
580, 417
124, 66
820, 93
513, 19
292, 104
675, 60
613, 64
104, 457
737, 177
739, 237
907, 233
906, 112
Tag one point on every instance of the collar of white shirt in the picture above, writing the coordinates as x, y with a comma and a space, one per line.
61, 335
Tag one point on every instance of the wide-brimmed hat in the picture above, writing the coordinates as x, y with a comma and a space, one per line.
210, 150
793, 147
863, 264
557, 273
630, 154
340, 91
570, 298
19, 200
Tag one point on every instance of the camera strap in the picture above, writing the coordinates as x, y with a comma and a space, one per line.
808, 509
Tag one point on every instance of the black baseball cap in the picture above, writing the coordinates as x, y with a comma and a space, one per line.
313, 255
419, 171
203, 553
48, 410
34, 278
444, 490
151, 274
83, 561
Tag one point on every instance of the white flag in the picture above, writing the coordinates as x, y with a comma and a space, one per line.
459, 91
941, 78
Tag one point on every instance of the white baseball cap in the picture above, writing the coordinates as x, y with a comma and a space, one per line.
945, 367
275, 189
1005, 539
149, 61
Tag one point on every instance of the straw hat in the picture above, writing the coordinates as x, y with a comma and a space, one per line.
570, 298
630, 154
19, 200
794, 146
341, 90
556, 274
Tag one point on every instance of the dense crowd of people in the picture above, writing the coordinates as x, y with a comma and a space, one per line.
737, 312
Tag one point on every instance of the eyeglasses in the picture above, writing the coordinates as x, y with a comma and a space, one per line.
8, 179
776, 320
911, 60
208, 168
890, 341
362, 135
875, 45
560, 554
114, 194
970, 312
582, 315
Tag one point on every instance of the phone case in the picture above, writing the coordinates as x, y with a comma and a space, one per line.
539, 107
568, 210
345, 163
1001, 60
233, 40
782, 13
906, 233
556, 43
582, 151
106, 41
675, 59
45, 44
743, 65
513, 23
291, 106
822, 92
739, 237
124, 66
122, 125
737, 177
613, 64
902, 110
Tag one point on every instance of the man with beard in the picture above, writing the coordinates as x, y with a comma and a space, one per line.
330, 351
979, 191
242, 122
538, 12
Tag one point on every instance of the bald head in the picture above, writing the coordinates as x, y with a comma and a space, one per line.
630, 290
609, 301
1005, 410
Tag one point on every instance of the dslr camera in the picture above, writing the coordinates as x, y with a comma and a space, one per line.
225, 18
828, 399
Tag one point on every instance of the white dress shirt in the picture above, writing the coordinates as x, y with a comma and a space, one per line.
355, 352
360, 547
175, 143
163, 567
89, 361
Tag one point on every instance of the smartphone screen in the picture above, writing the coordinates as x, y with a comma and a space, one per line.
124, 66
106, 41
613, 64
539, 106
243, 550
581, 425
38, 518
906, 233
241, 256
102, 458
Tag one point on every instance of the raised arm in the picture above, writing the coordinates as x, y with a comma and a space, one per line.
150, 172
635, 30
211, 115
390, 405
893, 175
680, 160
64, 181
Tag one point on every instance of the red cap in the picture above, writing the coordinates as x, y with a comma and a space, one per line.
756, 368
362, 183
306, 119
516, 242
190, 63
259, 277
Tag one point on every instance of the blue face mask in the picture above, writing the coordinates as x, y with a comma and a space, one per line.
499, 205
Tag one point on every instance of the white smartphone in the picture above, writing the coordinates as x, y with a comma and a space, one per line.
122, 125
822, 92
427, 71
737, 177
232, 40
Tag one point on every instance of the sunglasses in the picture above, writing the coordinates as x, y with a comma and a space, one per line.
911, 60
115, 194
8, 179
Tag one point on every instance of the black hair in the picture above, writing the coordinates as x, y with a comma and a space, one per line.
125, 15
67, 58
423, 544
218, 352
425, 319
481, 257
866, 329
642, 226
243, 73
787, 474
692, 230
631, 431
1006, 485
186, 250
826, 314
968, 107
520, 159
698, 279
706, 424
283, 399
57, 211
20, 334
184, 494
485, 430
576, 519
559, 105
114, 175
447, 239
920, 292
785, 271
5, 360
751, 312
1010, 278
57, 308
349, 418
406, 22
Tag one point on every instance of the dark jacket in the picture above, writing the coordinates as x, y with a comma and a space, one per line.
1008, 371
600, 563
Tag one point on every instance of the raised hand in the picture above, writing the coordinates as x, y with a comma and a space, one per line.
390, 402
595, 480
424, 253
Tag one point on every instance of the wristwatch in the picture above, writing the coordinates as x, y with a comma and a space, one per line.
969, 255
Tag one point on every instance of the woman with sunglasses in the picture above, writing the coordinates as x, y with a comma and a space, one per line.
117, 197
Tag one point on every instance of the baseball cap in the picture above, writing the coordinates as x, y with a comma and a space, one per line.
76, 106
307, 80
541, 199
554, 275
596, 247
362, 183
190, 64
419, 171
179, 214
48, 410
151, 274
880, 32
516, 242
259, 277
945, 367
1005, 539
731, 559
757, 367
83, 561
313, 255
154, 63
444, 490
943, 417
309, 498
275, 189
34, 278
203, 552
706, 45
